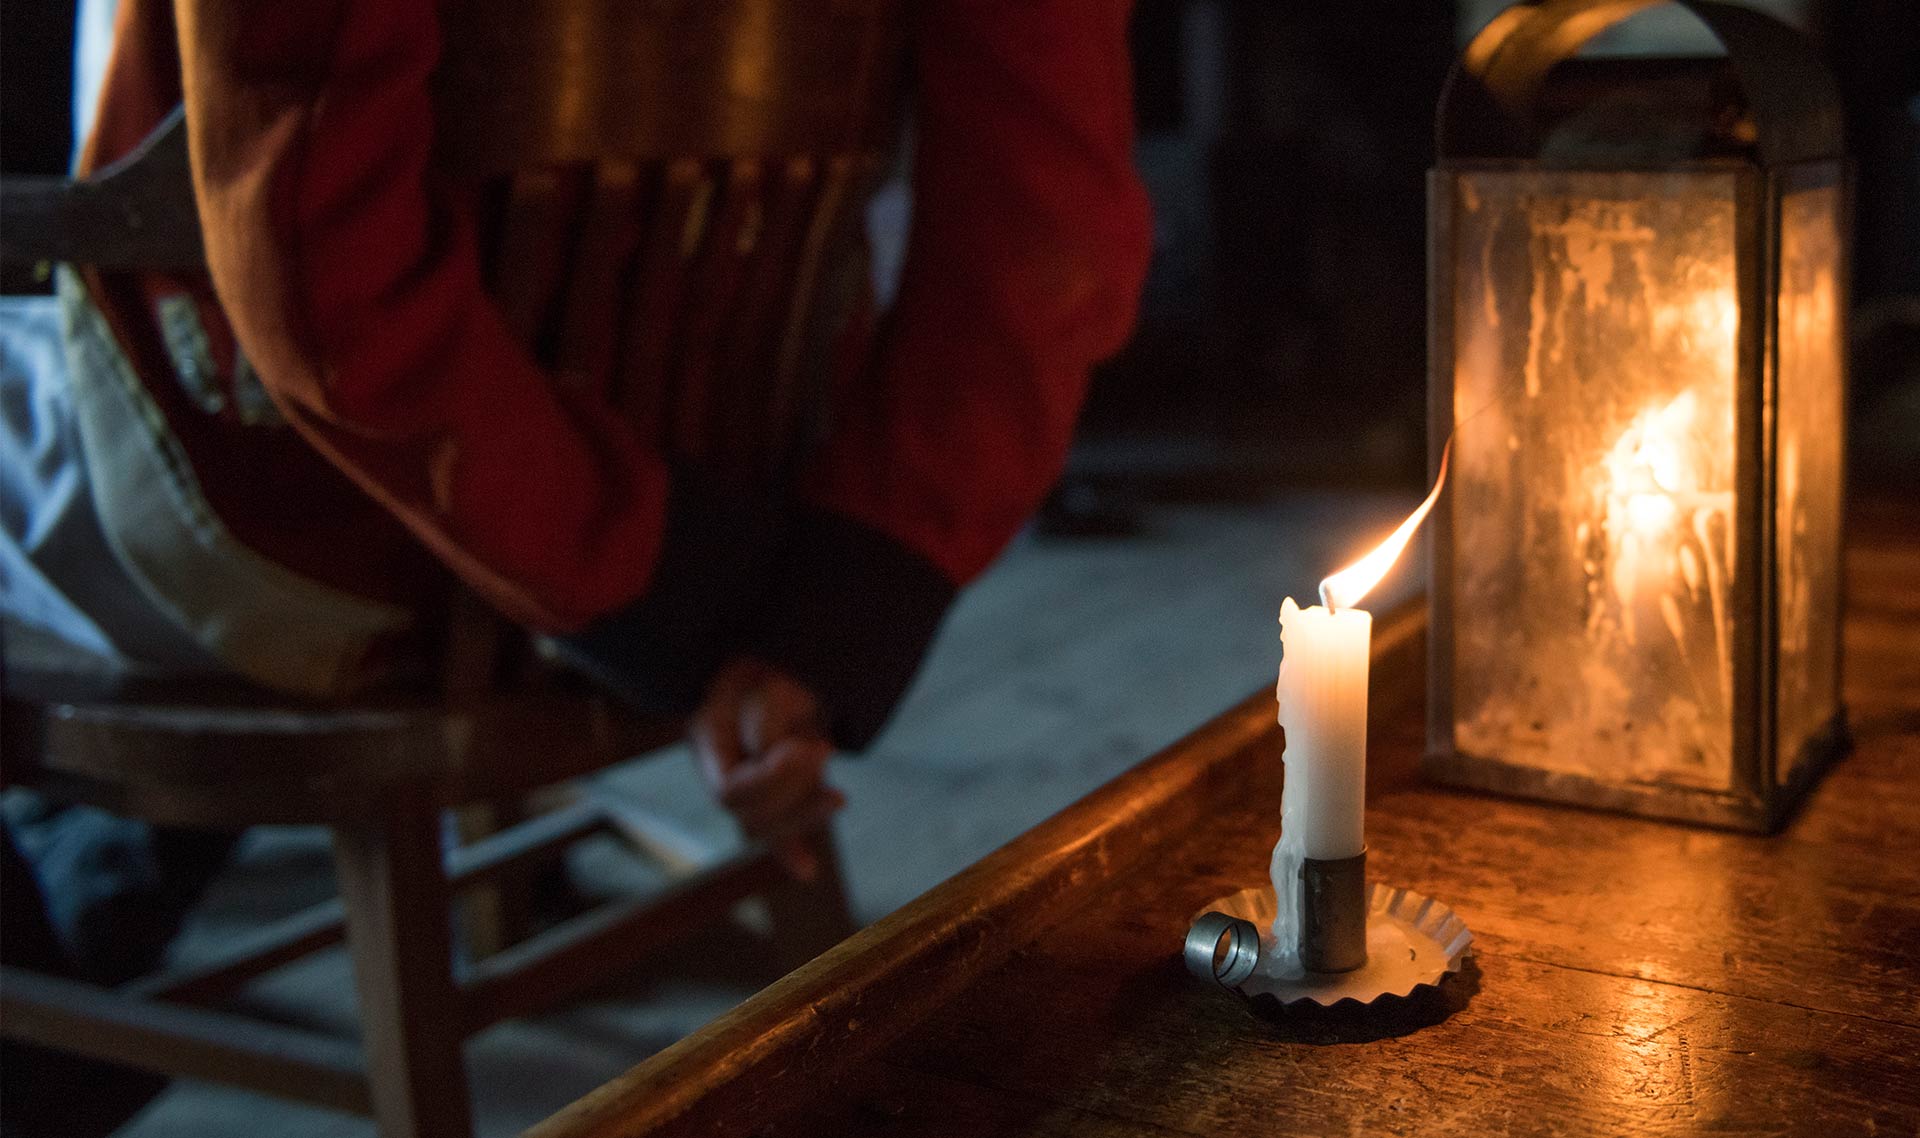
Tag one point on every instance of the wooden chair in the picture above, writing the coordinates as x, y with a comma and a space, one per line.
677, 188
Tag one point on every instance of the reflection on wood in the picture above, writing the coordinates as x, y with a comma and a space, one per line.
1633, 976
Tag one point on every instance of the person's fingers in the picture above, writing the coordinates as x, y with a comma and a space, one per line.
798, 855
794, 802
797, 859
716, 746
767, 794
765, 791
777, 707
762, 753
715, 728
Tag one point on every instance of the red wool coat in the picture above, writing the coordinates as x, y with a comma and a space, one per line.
347, 275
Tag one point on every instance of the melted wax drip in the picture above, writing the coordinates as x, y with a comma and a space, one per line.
1281, 956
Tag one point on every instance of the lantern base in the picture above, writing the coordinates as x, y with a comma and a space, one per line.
1413, 942
1762, 810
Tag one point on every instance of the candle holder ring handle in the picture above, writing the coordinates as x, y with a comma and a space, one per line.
1222, 948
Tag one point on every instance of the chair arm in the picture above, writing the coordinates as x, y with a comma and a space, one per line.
138, 213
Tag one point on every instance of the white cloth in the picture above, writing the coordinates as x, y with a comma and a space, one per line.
109, 546
50, 534
58, 574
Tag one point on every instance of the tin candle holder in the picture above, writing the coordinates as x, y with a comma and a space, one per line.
1358, 942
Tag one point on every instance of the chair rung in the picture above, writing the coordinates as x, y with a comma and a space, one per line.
588, 949
176, 1040
282, 942
323, 925
540, 836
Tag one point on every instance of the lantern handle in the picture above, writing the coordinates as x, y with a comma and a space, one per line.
1487, 108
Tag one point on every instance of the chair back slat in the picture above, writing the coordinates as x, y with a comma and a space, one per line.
679, 226
612, 228
529, 262
825, 280
737, 435
674, 224
713, 291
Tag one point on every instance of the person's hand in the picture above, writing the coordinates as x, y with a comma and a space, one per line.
762, 752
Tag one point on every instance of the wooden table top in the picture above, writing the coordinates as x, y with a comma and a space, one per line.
1630, 977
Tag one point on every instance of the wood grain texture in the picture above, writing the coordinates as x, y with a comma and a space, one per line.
152, 1036
397, 901
191, 763
1632, 977
817, 1023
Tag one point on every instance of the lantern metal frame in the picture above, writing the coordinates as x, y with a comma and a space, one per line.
1489, 119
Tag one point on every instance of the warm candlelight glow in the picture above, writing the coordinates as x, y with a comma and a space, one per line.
1637, 572
1648, 470
1350, 586
1597, 367
1665, 545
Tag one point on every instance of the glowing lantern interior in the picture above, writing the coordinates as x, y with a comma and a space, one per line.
1600, 605
1595, 331
1638, 320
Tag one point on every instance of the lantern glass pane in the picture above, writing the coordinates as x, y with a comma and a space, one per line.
1595, 323
1808, 448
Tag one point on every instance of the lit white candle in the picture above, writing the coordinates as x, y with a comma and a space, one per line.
1322, 698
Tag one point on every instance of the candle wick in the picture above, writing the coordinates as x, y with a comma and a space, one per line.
1326, 598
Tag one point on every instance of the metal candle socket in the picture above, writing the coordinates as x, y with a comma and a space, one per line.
1334, 905
1413, 942
1333, 913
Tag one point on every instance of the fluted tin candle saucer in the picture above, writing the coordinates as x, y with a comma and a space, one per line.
1411, 942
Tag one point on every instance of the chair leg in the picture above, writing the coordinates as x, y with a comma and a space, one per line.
499, 913
394, 884
812, 916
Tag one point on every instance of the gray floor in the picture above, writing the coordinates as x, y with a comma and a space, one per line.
1067, 663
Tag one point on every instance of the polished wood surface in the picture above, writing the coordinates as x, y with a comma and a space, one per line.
556, 81
1631, 976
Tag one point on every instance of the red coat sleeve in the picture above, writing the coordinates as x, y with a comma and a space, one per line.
352, 283
1029, 246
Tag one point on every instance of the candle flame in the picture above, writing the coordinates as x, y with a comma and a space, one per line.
1350, 586
1650, 464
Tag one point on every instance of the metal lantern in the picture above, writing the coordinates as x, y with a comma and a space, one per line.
1637, 324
